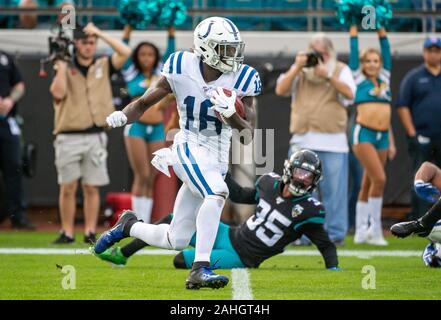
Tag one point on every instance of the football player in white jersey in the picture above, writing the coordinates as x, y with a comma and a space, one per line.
200, 151
427, 185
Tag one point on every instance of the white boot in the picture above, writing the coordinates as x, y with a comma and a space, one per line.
375, 232
361, 222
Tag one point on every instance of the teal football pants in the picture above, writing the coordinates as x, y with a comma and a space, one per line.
223, 256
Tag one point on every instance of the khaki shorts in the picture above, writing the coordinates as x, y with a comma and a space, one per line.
82, 156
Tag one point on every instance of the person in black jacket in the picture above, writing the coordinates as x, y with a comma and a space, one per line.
12, 89
285, 211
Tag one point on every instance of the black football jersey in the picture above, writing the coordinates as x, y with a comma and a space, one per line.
276, 223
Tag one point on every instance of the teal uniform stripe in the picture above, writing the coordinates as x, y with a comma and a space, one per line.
318, 220
295, 199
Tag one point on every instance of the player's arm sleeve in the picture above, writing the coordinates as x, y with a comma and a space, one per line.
240, 194
385, 53
354, 60
248, 82
318, 235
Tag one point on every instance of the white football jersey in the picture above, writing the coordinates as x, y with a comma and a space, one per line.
198, 122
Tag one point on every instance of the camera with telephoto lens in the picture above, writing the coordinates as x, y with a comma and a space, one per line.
313, 59
60, 47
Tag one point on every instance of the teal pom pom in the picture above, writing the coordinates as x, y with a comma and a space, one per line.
350, 12
383, 11
172, 13
138, 14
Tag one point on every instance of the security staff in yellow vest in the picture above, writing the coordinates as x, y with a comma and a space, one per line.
82, 99
320, 95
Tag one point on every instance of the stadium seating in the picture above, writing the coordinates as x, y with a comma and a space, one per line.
294, 23
329, 23
188, 24
398, 24
8, 21
102, 21
243, 23
405, 24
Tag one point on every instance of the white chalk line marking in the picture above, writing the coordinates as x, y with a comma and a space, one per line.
362, 254
241, 284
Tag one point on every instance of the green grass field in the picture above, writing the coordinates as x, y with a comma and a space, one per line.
32, 276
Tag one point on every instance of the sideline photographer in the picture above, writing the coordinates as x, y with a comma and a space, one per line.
82, 97
12, 89
321, 88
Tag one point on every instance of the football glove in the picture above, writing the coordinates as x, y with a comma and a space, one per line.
426, 191
222, 103
116, 119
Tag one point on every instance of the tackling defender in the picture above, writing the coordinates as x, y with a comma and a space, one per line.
201, 148
285, 211
427, 185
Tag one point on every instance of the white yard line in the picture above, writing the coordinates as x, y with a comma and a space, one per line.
363, 254
72, 251
241, 284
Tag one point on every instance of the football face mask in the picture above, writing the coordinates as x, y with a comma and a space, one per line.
301, 181
231, 54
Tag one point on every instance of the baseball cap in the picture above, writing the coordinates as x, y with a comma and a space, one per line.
432, 42
78, 33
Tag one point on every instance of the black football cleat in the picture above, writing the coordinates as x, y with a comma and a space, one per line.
405, 229
204, 277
